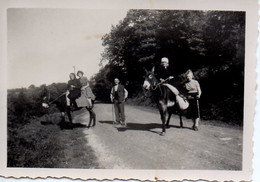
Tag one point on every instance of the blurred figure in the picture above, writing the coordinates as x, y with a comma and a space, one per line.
192, 87
118, 96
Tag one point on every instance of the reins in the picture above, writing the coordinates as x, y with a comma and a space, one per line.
57, 98
158, 84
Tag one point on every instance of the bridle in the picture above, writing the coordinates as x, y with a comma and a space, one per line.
154, 82
150, 84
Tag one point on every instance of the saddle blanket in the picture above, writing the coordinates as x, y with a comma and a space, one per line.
180, 100
83, 101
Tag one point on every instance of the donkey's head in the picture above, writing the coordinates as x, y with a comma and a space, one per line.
150, 83
46, 100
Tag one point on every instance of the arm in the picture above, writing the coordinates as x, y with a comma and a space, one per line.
111, 95
199, 90
85, 86
126, 93
68, 86
84, 83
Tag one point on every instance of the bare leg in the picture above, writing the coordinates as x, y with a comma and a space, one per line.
92, 116
195, 124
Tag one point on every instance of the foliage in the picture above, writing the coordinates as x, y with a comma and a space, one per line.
211, 43
22, 106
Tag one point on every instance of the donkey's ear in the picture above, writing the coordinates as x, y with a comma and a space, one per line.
145, 70
153, 69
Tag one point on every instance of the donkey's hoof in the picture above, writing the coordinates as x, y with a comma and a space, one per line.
163, 133
167, 126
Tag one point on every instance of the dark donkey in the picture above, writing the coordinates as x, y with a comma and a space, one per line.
60, 102
166, 99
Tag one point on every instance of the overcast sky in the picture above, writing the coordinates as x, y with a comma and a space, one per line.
45, 44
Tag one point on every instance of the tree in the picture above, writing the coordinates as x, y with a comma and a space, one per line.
211, 43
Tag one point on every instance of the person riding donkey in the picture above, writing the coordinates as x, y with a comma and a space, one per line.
73, 91
87, 97
162, 73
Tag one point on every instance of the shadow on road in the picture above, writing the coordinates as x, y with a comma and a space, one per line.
142, 126
106, 122
67, 125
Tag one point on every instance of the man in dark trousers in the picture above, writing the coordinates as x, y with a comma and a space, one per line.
118, 96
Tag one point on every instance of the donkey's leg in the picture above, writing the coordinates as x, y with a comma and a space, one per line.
181, 123
69, 116
169, 118
93, 116
62, 120
163, 109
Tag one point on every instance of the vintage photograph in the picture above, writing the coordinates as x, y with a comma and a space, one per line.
150, 89
126, 92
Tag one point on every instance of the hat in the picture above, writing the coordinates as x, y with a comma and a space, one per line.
80, 72
164, 60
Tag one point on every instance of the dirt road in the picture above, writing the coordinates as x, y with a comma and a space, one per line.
140, 145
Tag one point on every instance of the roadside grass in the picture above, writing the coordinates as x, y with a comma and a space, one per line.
40, 143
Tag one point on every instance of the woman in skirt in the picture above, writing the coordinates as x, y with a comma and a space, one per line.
85, 88
194, 92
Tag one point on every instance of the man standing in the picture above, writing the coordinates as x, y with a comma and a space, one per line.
118, 96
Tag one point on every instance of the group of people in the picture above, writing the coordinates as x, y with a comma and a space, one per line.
192, 87
79, 93
79, 88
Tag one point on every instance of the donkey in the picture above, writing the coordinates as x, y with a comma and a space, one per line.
60, 102
167, 98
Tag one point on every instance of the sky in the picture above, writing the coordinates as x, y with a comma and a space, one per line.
45, 44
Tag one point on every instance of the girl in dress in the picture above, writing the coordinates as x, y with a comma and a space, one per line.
85, 88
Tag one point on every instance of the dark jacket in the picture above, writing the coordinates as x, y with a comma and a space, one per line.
74, 92
162, 72
119, 94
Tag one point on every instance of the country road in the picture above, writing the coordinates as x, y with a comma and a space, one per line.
140, 145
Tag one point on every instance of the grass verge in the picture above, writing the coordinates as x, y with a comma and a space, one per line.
40, 143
